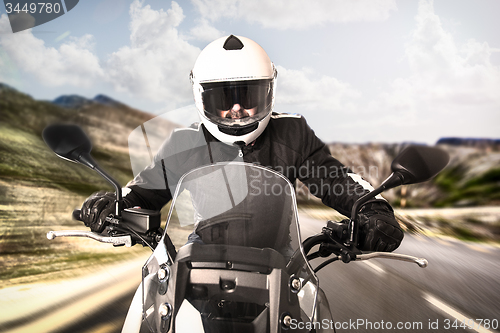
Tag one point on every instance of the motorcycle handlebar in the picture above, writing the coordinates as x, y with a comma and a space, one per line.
339, 230
331, 240
77, 214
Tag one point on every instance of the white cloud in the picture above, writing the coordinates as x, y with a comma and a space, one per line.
155, 66
452, 90
72, 63
303, 90
157, 63
295, 14
204, 31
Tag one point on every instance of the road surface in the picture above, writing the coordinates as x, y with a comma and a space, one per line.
461, 284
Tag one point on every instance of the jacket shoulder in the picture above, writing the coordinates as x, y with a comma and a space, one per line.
276, 116
293, 132
290, 123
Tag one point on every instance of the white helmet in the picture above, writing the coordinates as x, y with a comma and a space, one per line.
233, 85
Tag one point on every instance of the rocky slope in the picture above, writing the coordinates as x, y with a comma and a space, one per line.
38, 190
471, 178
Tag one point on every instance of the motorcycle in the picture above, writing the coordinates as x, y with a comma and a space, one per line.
248, 269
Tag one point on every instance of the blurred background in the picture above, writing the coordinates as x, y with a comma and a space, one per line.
370, 78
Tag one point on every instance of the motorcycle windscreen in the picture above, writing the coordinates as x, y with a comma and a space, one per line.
235, 226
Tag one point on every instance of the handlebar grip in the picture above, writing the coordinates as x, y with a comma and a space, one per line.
77, 215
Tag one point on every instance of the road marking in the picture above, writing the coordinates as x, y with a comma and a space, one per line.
449, 239
421, 238
477, 248
494, 245
443, 242
454, 313
108, 327
375, 267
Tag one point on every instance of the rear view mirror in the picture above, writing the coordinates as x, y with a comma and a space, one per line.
69, 142
417, 164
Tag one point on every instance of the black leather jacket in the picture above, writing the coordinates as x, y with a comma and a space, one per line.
287, 145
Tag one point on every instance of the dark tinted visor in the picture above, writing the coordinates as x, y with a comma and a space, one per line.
255, 96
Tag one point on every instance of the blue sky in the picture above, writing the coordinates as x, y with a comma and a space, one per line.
359, 71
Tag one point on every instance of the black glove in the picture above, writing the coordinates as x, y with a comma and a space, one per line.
378, 228
96, 208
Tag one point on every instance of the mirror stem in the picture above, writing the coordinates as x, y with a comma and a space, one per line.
354, 225
116, 185
395, 179
87, 160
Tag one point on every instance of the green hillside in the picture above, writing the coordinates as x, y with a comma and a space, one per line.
38, 190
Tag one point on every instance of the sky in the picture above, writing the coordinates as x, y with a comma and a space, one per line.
358, 70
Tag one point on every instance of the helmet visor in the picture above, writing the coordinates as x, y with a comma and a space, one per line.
238, 102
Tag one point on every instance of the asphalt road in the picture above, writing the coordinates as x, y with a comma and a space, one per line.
461, 284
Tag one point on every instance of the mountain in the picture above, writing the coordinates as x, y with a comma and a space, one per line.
471, 178
23, 119
493, 144
78, 102
103, 99
72, 101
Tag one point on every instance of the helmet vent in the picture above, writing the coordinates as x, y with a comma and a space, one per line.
240, 130
233, 43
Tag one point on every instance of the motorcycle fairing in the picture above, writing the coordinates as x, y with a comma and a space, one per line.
238, 272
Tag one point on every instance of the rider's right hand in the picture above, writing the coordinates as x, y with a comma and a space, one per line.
96, 208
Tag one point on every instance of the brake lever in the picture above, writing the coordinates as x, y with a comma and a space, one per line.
421, 262
116, 241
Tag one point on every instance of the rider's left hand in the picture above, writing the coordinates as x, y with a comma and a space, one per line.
96, 208
378, 228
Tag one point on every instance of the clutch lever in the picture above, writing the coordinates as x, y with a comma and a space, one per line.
116, 241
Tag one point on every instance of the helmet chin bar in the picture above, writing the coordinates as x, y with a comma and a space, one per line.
238, 130
252, 132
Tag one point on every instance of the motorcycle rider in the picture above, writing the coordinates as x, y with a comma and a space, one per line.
233, 83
